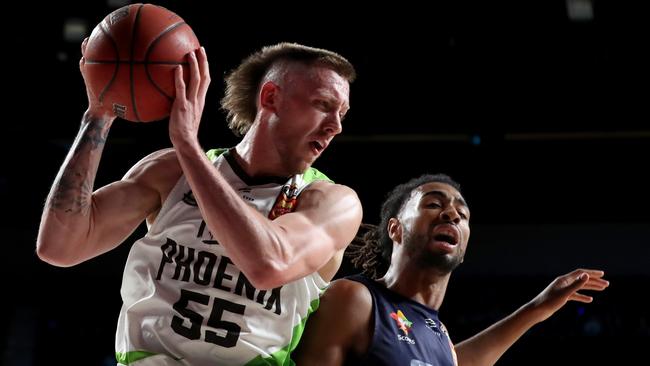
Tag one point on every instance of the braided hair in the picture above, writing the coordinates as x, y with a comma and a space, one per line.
371, 250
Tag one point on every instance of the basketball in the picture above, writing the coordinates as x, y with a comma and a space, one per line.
130, 59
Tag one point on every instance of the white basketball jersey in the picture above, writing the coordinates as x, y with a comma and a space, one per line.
186, 303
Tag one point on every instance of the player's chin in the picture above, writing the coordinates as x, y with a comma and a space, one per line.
308, 160
304, 166
299, 166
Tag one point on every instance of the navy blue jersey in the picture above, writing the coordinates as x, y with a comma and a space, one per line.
406, 333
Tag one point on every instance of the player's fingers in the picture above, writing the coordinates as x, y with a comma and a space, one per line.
179, 82
84, 44
202, 58
580, 298
195, 76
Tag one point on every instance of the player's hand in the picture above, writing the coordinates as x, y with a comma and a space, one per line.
187, 109
95, 108
565, 288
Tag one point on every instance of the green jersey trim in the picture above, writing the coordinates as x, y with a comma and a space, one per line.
130, 357
214, 153
282, 356
313, 174
309, 176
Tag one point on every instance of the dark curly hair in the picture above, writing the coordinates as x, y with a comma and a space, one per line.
371, 250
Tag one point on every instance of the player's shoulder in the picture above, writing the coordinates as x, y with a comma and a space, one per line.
348, 304
168, 154
350, 293
158, 156
158, 165
334, 199
331, 190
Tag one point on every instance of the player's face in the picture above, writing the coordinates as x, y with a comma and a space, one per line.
436, 226
314, 103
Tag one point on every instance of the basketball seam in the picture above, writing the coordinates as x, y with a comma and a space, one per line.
131, 63
149, 50
117, 66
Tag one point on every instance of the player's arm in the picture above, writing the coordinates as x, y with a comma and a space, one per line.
340, 328
487, 347
78, 224
273, 253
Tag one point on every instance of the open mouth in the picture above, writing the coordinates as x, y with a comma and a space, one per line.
447, 238
317, 146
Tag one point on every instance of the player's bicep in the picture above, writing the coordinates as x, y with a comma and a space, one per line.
120, 207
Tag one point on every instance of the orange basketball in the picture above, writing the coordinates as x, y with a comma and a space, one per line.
130, 59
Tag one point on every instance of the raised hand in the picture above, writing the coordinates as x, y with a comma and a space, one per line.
565, 288
94, 106
188, 106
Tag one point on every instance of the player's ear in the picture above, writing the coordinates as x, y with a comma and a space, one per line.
269, 96
395, 230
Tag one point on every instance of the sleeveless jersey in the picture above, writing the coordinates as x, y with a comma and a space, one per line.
405, 332
186, 303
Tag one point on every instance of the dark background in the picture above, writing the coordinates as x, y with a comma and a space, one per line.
542, 117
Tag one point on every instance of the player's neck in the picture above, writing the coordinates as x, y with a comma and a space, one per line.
425, 287
257, 156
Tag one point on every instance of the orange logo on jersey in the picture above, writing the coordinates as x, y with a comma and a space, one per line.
286, 201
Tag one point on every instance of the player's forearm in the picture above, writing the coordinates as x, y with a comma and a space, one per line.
252, 241
67, 214
486, 347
